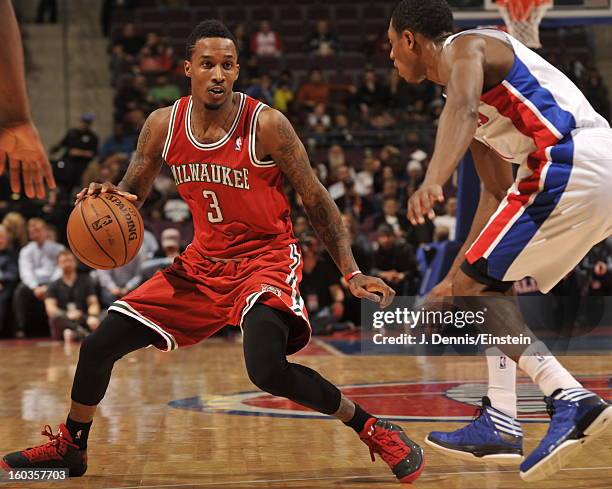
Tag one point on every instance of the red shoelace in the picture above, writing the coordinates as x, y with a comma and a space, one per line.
54, 449
388, 445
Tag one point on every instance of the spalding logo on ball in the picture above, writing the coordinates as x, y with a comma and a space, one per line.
105, 231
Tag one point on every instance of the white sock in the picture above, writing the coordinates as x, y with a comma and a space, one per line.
502, 381
545, 370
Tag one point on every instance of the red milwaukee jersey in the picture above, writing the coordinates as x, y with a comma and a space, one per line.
237, 202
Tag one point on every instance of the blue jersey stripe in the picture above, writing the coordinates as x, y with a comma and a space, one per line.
526, 226
528, 85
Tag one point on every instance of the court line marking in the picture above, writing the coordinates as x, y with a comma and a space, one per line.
329, 348
346, 477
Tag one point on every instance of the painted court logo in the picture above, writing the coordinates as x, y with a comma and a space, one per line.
400, 401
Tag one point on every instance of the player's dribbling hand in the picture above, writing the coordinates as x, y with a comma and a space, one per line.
22, 150
364, 286
422, 201
96, 188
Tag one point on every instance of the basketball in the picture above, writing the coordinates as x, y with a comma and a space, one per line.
105, 231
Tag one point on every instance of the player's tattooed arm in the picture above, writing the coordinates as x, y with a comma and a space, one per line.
144, 167
277, 138
147, 160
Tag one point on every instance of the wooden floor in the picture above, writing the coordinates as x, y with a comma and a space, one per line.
138, 440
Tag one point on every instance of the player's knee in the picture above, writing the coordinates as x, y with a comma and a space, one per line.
268, 376
99, 349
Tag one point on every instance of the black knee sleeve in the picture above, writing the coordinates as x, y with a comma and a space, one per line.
265, 343
116, 336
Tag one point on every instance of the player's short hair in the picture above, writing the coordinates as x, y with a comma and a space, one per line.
206, 29
431, 18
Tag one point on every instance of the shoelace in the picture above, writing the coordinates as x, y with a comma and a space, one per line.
389, 449
57, 445
478, 412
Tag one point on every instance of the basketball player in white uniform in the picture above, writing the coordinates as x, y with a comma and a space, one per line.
509, 106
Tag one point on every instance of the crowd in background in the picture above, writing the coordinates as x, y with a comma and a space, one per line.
369, 141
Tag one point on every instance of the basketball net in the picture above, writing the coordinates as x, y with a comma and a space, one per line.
523, 17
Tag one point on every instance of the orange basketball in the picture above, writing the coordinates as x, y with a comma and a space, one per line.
105, 231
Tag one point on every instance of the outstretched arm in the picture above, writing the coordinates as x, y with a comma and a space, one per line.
146, 162
20, 145
278, 139
456, 127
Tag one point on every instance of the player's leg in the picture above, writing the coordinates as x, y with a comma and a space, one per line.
117, 336
266, 333
577, 415
495, 434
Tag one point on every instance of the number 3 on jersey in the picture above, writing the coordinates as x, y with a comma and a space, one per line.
215, 214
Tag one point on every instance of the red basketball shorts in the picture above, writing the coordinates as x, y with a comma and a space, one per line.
196, 296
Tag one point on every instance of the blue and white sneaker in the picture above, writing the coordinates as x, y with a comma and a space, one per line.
577, 416
491, 436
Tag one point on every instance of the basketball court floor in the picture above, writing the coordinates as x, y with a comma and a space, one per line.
191, 419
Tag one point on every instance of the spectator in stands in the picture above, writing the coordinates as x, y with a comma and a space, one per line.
347, 195
319, 118
371, 93
170, 249
399, 93
170, 241
322, 42
335, 158
314, 90
9, 274
416, 174
394, 262
301, 225
118, 142
129, 43
320, 287
155, 61
261, 89
80, 146
449, 219
164, 92
360, 246
131, 95
243, 43
119, 281
265, 42
37, 268
71, 302
283, 96
150, 246
393, 217
341, 130
16, 229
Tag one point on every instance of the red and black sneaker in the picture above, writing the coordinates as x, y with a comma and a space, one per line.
404, 456
58, 453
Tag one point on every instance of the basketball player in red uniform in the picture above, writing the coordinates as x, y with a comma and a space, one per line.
20, 146
229, 155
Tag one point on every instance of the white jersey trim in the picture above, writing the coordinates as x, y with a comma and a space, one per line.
124, 308
170, 130
221, 141
252, 137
